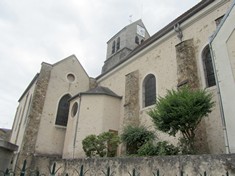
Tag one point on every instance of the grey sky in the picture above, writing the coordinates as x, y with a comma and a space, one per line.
33, 31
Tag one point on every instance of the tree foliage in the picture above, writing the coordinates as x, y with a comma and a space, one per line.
182, 110
135, 137
105, 144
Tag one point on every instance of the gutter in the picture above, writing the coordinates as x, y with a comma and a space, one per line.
76, 128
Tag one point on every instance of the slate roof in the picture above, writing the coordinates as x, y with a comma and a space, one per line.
99, 90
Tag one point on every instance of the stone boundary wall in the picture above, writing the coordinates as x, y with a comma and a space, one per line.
188, 165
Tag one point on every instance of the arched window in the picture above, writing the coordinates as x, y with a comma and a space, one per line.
137, 40
113, 47
63, 111
149, 90
118, 43
208, 67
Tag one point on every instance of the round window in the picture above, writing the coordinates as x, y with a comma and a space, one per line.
74, 109
70, 77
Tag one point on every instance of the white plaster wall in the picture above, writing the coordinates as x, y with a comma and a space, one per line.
160, 60
70, 137
223, 50
231, 51
90, 120
111, 113
50, 138
97, 114
20, 121
214, 127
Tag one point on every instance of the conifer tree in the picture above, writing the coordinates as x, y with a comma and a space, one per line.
181, 111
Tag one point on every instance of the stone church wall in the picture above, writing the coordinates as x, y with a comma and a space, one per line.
30, 135
160, 60
187, 75
22, 115
59, 85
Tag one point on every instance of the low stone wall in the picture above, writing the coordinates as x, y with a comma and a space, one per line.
213, 165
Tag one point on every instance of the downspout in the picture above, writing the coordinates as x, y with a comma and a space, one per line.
76, 128
220, 101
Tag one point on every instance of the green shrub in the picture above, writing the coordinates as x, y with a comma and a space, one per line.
148, 149
167, 149
111, 141
136, 136
105, 144
181, 111
161, 148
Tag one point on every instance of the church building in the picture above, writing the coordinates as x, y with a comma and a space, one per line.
62, 104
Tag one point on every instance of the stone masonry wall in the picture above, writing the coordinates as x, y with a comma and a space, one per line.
131, 107
186, 64
191, 165
92, 83
188, 75
31, 131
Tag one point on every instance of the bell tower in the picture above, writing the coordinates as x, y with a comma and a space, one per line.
123, 43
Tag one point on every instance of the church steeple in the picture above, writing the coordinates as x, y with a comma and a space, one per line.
125, 41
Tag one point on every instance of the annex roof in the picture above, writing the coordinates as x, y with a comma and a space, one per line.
99, 90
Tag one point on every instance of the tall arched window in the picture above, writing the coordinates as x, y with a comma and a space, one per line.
63, 111
118, 43
149, 90
113, 47
208, 67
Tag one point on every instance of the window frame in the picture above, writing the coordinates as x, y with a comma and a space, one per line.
113, 47
208, 67
118, 44
62, 111
147, 99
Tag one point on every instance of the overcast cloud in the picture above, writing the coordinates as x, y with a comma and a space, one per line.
36, 31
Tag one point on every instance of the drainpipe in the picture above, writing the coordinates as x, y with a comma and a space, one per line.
220, 101
76, 128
